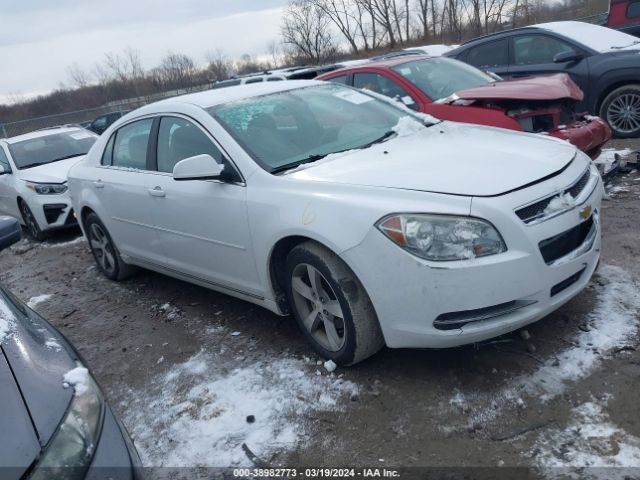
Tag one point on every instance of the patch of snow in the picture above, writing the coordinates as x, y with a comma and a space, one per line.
330, 366
559, 203
53, 344
612, 324
407, 126
35, 301
235, 334
605, 160
171, 311
196, 413
75, 241
78, 378
7, 319
590, 441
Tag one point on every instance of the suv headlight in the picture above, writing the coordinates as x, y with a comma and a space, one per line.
47, 188
442, 238
70, 450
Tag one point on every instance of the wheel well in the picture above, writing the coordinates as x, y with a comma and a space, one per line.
84, 213
610, 89
277, 267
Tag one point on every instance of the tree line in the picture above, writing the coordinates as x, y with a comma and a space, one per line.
312, 32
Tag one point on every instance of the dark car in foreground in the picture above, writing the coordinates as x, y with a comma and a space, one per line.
452, 90
605, 64
55, 422
103, 122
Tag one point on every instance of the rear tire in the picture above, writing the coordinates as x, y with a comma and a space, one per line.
331, 306
104, 250
31, 223
621, 110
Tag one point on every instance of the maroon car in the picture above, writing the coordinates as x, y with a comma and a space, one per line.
452, 90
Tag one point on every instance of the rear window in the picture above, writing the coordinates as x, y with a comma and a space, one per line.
51, 148
488, 55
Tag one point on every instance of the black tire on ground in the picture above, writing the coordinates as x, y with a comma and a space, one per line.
360, 331
104, 250
32, 227
621, 110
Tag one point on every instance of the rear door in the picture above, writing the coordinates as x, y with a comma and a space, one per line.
203, 224
124, 185
491, 56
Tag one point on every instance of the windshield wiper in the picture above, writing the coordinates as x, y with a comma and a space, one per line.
66, 157
30, 165
636, 42
384, 137
309, 159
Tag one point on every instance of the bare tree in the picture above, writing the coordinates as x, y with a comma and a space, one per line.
79, 77
176, 70
344, 16
219, 66
305, 29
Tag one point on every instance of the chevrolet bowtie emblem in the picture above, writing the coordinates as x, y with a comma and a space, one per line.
585, 212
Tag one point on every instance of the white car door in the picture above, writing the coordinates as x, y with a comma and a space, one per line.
203, 224
122, 183
8, 199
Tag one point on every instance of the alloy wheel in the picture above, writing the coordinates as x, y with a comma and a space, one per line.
102, 248
623, 113
29, 219
318, 307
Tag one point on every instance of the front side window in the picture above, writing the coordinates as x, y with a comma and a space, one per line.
441, 77
341, 79
492, 54
379, 84
537, 49
130, 145
179, 139
51, 147
281, 130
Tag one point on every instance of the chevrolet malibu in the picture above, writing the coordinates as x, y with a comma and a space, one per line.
370, 224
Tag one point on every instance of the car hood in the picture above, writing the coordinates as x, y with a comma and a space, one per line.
55, 172
450, 158
549, 87
38, 357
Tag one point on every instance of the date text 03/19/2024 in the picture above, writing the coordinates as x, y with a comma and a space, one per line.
316, 473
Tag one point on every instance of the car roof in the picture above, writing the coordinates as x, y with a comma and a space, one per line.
211, 98
385, 63
43, 133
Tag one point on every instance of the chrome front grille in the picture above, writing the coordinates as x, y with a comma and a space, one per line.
535, 211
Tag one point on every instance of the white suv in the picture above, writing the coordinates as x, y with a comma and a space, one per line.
372, 225
33, 177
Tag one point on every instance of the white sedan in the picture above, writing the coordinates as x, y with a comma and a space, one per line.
370, 224
33, 177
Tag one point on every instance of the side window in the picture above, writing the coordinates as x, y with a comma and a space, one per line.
4, 161
254, 80
383, 85
633, 10
492, 54
100, 122
274, 79
179, 139
536, 49
342, 79
107, 155
130, 145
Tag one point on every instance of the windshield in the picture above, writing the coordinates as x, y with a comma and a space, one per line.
442, 77
600, 39
285, 129
51, 148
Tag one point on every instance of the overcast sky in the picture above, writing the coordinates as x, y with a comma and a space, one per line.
39, 39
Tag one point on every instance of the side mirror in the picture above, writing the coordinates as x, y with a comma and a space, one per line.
10, 232
200, 167
570, 56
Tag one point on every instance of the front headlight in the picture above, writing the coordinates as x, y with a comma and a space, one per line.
70, 450
442, 238
47, 188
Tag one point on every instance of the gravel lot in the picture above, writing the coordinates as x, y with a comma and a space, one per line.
194, 374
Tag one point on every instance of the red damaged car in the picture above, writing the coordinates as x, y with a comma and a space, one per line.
452, 90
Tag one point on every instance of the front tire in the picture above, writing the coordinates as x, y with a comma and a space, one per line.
31, 223
104, 250
621, 110
331, 306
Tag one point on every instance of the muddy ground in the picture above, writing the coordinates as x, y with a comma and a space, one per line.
568, 397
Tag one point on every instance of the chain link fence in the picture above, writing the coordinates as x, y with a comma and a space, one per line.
11, 129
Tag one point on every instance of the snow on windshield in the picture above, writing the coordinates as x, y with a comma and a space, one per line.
600, 39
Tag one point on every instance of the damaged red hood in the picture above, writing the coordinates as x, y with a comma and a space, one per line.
549, 87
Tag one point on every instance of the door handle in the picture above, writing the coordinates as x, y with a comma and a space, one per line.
156, 192
98, 184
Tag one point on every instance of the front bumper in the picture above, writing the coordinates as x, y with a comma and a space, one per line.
588, 134
52, 212
483, 289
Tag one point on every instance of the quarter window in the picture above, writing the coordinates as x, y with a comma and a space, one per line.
489, 55
341, 79
536, 49
130, 145
107, 155
179, 139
